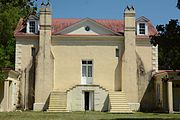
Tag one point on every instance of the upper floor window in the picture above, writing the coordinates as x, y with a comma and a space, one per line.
142, 29
32, 26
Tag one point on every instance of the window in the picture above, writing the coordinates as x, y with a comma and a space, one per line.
87, 72
142, 28
32, 26
117, 52
87, 28
33, 50
86, 68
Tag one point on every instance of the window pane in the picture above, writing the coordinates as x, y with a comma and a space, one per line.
83, 62
142, 25
141, 28
32, 26
83, 71
89, 62
142, 31
89, 71
117, 52
32, 30
32, 23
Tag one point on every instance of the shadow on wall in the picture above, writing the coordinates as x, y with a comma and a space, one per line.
118, 70
31, 88
106, 104
1, 92
117, 83
47, 103
148, 100
145, 87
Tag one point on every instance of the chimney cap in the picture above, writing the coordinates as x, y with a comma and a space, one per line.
43, 4
129, 8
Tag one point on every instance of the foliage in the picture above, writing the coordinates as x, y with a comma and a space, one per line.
10, 13
168, 41
178, 4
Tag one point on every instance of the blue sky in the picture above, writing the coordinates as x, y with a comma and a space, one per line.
158, 11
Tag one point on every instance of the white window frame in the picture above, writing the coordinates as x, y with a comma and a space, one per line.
138, 28
36, 26
87, 68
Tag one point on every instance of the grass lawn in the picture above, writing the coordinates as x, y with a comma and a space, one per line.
85, 116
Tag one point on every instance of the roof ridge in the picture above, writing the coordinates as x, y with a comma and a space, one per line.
89, 18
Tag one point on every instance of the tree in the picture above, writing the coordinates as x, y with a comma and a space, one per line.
10, 13
168, 42
178, 4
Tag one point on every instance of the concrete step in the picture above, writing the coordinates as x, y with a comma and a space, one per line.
58, 99
118, 99
118, 111
61, 101
57, 108
58, 102
57, 111
118, 103
64, 106
119, 107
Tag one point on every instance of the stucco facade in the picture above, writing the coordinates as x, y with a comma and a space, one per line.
91, 63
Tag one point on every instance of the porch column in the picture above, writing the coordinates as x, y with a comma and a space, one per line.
26, 91
170, 96
6, 96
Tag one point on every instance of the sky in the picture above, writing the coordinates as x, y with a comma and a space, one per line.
158, 11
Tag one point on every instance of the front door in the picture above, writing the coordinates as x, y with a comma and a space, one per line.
88, 100
87, 67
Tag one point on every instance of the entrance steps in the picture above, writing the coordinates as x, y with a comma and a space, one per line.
118, 102
57, 102
88, 85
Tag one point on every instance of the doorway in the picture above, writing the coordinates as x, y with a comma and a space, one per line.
88, 101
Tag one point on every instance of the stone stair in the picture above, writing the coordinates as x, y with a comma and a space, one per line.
91, 85
58, 102
118, 102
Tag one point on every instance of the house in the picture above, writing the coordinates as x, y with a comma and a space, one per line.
85, 64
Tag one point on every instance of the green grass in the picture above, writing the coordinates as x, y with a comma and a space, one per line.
85, 116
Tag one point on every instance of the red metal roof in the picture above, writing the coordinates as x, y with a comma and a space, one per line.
59, 24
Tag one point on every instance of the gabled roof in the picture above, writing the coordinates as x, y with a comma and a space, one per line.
33, 17
142, 19
87, 21
59, 24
